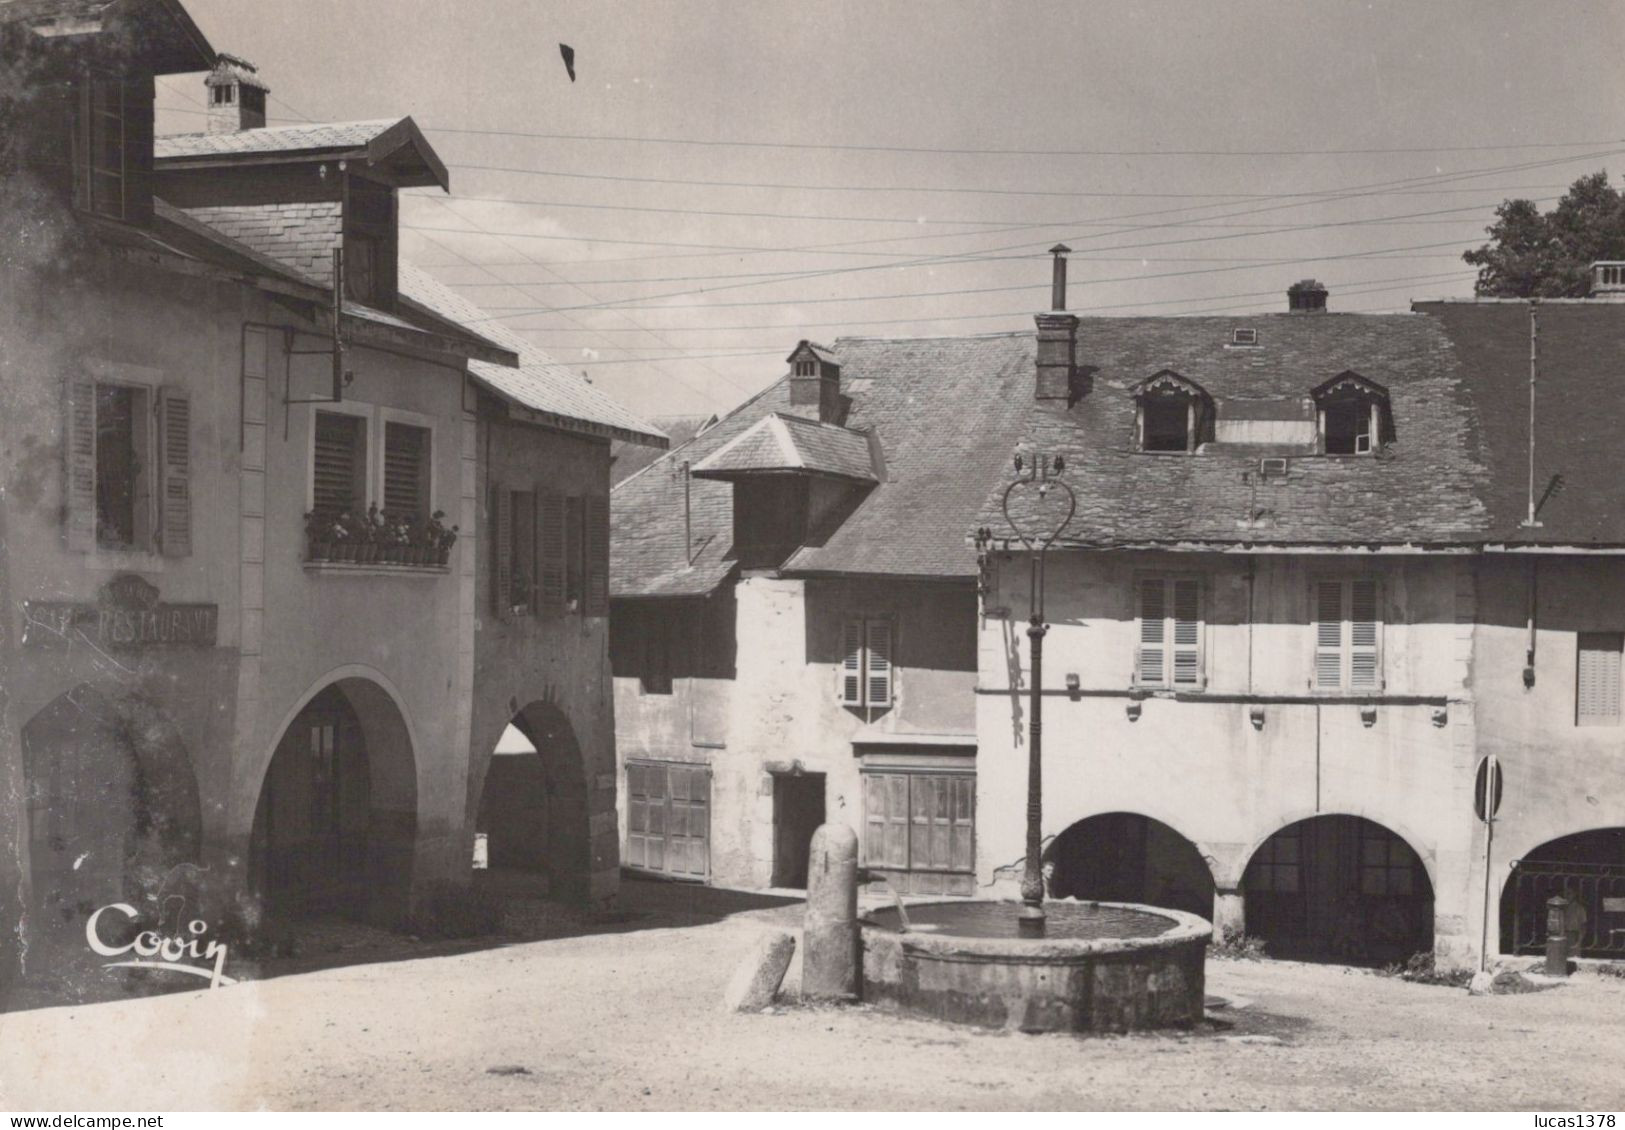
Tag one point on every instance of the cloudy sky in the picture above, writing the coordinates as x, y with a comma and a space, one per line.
726, 178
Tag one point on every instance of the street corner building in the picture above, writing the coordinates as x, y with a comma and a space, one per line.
267, 491
1300, 599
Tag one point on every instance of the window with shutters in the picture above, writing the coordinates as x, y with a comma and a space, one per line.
100, 149
867, 675
1597, 682
406, 471
521, 549
575, 551
915, 821
1171, 632
128, 464
339, 464
1347, 619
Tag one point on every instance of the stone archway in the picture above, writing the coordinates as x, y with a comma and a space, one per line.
1339, 888
1127, 857
533, 809
112, 809
1586, 867
335, 826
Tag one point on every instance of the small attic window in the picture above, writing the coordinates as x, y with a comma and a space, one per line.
223, 95
1167, 424
1355, 417
1240, 336
806, 369
1172, 414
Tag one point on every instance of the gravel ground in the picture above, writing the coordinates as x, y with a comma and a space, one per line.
624, 1013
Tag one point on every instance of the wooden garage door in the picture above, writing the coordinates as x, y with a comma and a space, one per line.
668, 818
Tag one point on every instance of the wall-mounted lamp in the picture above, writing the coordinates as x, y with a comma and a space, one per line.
1368, 715
1073, 684
1441, 715
1529, 677
1255, 715
1132, 710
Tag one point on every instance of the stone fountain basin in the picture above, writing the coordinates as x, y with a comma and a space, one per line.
1105, 967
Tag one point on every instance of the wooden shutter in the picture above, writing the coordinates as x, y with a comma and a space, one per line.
597, 533
926, 827
878, 676
406, 470
336, 462
79, 447
1187, 633
852, 664
501, 550
962, 854
175, 472
1597, 686
1365, 666
1150, 662
874, 819
551, 547
886, 820
1328, 598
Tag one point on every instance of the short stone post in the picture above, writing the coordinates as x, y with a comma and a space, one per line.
829, 959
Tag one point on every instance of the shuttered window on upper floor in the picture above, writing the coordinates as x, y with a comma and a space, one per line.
867, 673
1348, 635
339, 463
1169, 651
406, 470
1597, 682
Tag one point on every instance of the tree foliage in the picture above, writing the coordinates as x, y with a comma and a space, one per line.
1535, 255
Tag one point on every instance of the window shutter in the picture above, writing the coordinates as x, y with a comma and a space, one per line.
79, 447
1150, 660
880, 667
406, 471
922, 803
1597, 687
337, 461
963, 854
175, 470
501, 550
1364, 665
896, 854
1187, 627
874, 819
551, 546
597, 532
1328, 634
852, 664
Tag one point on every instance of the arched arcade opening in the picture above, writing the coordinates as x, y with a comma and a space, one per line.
336, 823
1126, 857
1339, 888
532, 819
1586, 867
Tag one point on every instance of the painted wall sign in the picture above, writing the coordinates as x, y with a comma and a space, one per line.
128, 615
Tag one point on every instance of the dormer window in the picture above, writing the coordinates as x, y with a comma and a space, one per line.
1173, 414
223, 95
100, 150
806, 369
1354, 415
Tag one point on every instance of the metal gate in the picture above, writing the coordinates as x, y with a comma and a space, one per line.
1598, 887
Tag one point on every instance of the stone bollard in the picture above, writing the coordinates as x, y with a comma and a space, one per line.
829, 960
756, 982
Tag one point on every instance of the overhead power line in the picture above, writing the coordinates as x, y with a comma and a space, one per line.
733, 143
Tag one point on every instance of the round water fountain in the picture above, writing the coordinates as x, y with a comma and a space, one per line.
1101, 967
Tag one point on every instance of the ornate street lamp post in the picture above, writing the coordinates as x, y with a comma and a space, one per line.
1040, 474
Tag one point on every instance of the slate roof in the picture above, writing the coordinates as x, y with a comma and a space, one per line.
627, 459
946, 413
1421, 489
273, 139
779, 443
1579, 403
300, 236
562, 397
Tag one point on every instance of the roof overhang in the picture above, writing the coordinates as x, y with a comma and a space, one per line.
558, 421
399, 156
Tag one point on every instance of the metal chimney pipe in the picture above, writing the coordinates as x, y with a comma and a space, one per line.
1057, 291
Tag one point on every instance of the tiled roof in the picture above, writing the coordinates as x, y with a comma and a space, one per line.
302, 237
540, 383
1579, 401
779, 443
946, 413
1420, 489
627, 459
273, 139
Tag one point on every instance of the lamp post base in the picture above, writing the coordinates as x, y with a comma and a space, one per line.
1030, 922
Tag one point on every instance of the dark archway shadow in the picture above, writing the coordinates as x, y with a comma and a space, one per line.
1339, 889
1586, 867
1126, 857
533, 810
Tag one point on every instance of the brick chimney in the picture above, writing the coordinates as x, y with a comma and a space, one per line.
1057, 336
815, 382
1306, 296
236, 95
